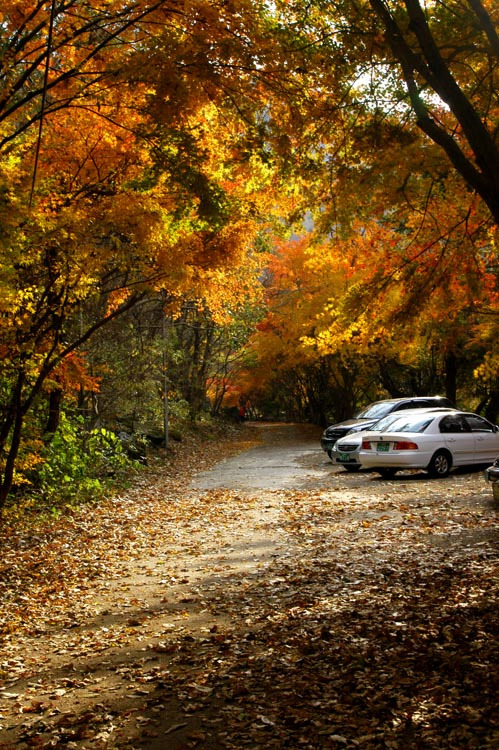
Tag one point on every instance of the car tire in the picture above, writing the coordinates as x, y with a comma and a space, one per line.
440, 465
351, 468
495, 491
387, 472
330, 454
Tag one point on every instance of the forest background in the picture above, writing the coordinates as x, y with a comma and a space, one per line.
290, 207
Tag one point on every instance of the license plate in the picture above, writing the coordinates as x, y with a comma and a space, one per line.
343, 457
382, 447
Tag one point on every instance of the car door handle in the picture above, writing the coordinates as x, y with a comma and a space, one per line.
451, 440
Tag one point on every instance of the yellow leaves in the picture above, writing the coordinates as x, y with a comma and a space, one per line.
339, 336
9, 302
260, 176
131, 220
488, 371
16, 307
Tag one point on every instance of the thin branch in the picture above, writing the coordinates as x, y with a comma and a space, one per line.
44, 96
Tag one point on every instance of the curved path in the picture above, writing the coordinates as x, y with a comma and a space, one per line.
289, 456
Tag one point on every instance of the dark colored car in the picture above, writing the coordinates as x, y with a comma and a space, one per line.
370, 415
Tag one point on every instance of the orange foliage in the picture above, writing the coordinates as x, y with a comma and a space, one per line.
72, 374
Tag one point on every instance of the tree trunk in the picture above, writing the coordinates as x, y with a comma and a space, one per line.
54, 415
492, 409
451, 376
16, 424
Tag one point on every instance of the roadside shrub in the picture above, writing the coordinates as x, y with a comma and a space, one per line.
77, 465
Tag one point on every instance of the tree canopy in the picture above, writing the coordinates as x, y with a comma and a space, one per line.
339, 158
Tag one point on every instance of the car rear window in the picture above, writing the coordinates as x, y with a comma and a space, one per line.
411, 424
478, 424
387, 422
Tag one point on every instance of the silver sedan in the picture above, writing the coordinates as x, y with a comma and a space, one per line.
436, 442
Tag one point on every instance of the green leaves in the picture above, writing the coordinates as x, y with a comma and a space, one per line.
76, 465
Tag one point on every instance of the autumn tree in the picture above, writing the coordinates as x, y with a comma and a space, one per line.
400, 145
383, 311
451, 81
305, 281
143, 143
117, 179
380, 67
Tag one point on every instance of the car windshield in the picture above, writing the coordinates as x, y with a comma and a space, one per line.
376, 411
410, 424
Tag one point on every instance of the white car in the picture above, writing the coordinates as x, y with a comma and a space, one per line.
436, 442
346, 450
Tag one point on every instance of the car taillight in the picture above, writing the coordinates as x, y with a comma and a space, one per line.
405, 445
366, 445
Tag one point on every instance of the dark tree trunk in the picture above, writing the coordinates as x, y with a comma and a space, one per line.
451, 376
54, 415
492, 409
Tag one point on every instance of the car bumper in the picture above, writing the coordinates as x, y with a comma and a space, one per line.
345, 458
350, 462
492, 476
328, 443
492, 473
402, 460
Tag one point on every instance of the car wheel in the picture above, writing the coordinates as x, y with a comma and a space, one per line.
352, 468
495, 490
330, 454
440, 464
387, 472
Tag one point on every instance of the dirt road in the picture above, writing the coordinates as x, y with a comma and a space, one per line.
268, 601
288, 456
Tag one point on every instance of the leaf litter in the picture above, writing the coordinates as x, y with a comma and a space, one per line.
361, 614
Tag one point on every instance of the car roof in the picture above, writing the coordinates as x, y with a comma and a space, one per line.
419, 410
436, 412
401, 399
472, 414
414, 412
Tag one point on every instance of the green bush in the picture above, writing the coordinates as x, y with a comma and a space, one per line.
77, 465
